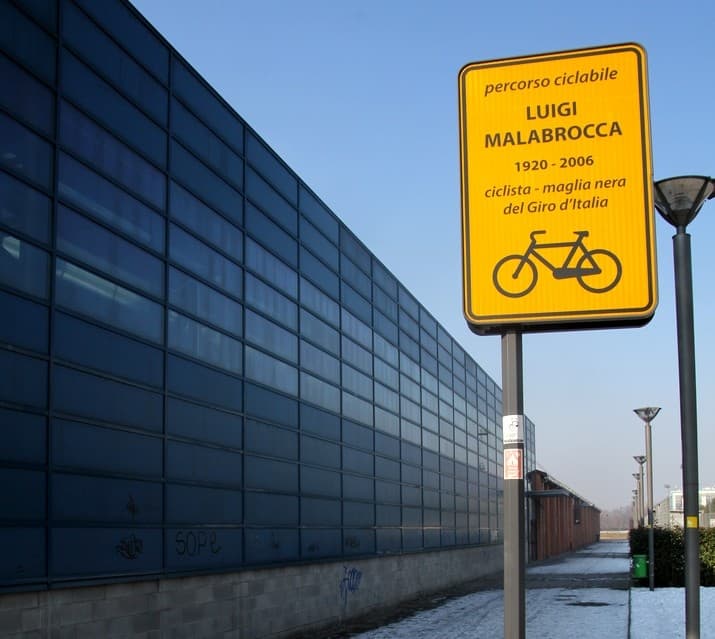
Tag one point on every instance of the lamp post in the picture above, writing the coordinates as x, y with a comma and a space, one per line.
640, 460
679, 200
647, 414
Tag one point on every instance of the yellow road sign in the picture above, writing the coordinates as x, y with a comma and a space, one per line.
557, 210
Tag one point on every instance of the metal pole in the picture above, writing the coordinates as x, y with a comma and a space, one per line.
514, 519
642, 504
688, 428
651, 540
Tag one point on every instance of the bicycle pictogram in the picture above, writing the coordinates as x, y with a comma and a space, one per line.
596, 270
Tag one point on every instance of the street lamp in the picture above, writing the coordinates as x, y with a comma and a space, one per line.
648, 414
679, 200
640, 460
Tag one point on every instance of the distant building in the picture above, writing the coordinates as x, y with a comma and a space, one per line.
668, 513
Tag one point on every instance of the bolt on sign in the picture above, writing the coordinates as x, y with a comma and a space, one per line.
557, 207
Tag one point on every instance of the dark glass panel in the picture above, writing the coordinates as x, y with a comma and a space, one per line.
268, 266
193, 380
355, 277
319, 214
318, 302
194, 463
99, 499
272, 545
23, 266
91, 295
105, 152
271, 406
200, 504
319, 512
102, 200
22, 437
387, 515
204, 302
357, 514
271, 510
315, 270
317, 481
27, 559
271, 235
107, 106
357, 435
320, 452
267, 370
132, 34
186, 250
387, 492
94, 397
384, 278
389, 540
24, 209
204, 343
385, 303
391, 446
88, 447
263, 195
271, 337
269, 301
319, 244
351, 247
28, 100
319, 362
24, 152
319, 332
23, 380
272, 168
272, 475
95, 347
96, 48
387, 468
105, 551
316, 421
203, 548
24, 496
358, 488
23, 323
205, 183
203, 221
200, 139
318, 392
28, 43
206, 105
270, 440
320, 543
358, 542
94, 245
203, 423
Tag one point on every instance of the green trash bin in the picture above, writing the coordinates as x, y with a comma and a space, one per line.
640, 566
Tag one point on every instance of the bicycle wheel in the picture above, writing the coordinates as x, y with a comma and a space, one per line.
609, 271
514, 276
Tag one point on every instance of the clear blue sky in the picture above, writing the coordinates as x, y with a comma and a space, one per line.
360, 98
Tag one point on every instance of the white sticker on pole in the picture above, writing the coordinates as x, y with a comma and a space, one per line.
513, 429
513, 463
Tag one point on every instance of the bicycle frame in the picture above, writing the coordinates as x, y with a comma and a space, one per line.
562, 271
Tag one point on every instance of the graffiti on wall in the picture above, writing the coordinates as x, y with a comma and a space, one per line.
349, 583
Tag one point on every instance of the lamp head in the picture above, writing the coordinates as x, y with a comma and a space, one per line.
640, 459
647, 413
679, 199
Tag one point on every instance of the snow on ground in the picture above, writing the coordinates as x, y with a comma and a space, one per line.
561, 613
661, 613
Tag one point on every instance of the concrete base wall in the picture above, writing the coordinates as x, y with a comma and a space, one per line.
252, 604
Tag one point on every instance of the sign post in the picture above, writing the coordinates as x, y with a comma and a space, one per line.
557, 223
